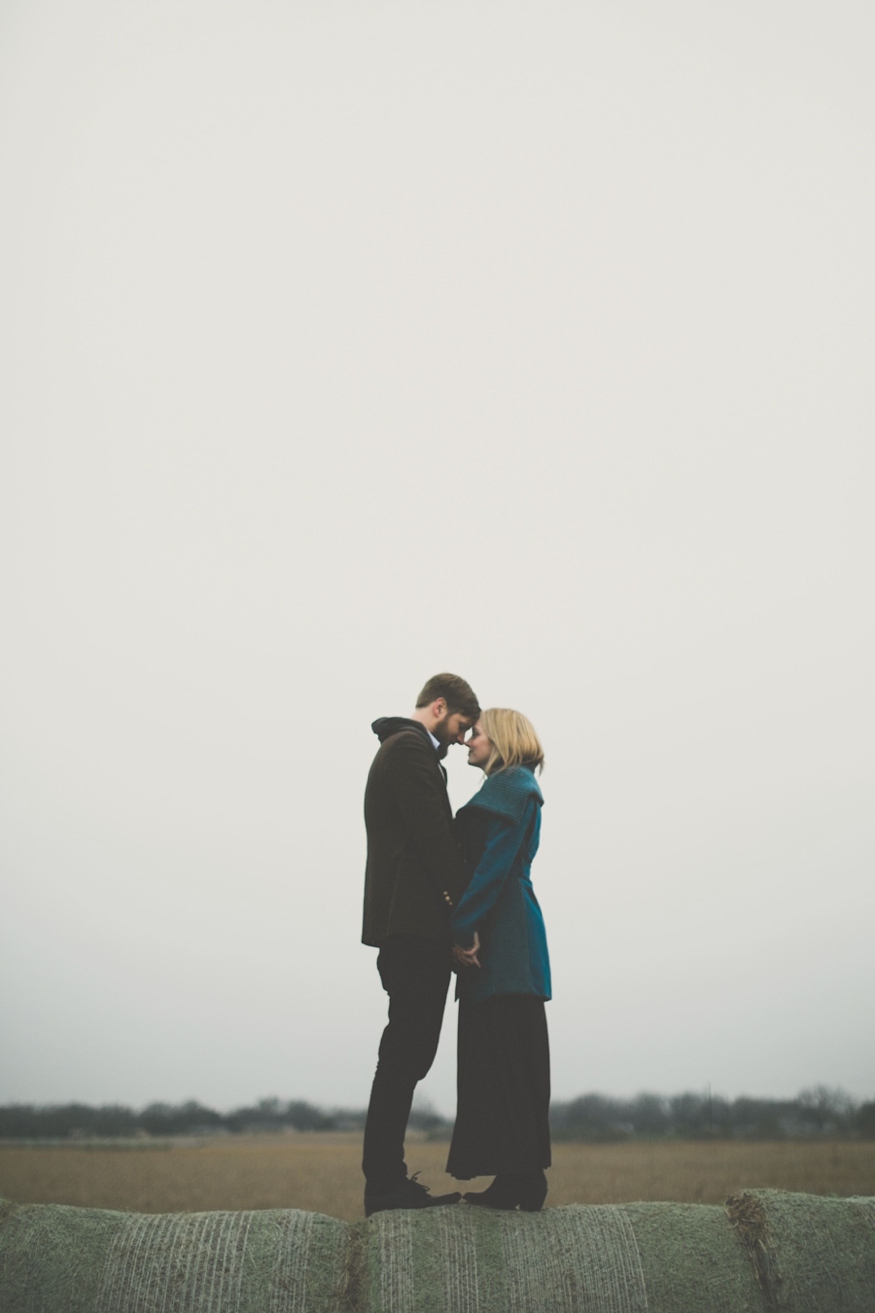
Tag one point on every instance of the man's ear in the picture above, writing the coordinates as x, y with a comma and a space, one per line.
439, 709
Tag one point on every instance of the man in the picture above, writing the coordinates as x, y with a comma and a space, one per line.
413, 880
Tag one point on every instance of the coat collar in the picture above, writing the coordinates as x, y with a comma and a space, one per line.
507, 792
386, 726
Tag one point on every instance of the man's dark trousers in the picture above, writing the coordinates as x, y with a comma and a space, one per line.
416, 975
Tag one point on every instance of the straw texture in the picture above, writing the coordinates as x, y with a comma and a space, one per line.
635, 1258
812, 1255
766, 1252
55, 1259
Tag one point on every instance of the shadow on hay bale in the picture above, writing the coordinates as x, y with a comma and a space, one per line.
765, 1252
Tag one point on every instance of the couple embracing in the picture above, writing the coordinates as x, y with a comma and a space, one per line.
444, 895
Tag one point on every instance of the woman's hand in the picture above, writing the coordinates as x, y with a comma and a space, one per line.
468, 956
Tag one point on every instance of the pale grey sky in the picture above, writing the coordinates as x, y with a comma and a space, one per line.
344, 343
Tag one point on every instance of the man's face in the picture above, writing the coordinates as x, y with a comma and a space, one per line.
452, 728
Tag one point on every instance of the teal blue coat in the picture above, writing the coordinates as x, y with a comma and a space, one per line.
498, 832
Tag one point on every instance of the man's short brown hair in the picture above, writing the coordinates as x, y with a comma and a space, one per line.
459, 696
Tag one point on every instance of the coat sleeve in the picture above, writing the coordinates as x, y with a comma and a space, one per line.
421, 797
504, 839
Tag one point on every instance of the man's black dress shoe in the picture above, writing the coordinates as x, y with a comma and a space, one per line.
408, 1193
524, 1190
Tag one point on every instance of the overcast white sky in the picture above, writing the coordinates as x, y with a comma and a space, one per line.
348, 342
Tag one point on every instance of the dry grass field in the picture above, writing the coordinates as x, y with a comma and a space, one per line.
320, 1172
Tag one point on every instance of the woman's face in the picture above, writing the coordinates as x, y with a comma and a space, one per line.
479, 747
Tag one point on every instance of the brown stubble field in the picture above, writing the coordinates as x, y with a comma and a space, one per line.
320, 1172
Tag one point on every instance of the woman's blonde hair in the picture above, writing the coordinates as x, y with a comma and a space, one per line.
513, 738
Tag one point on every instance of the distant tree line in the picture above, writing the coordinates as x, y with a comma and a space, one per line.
820, 1111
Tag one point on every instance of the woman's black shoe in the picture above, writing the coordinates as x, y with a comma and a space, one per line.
532, 1191
525, 1190
500, 1194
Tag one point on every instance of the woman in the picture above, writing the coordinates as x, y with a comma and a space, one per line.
502, 1120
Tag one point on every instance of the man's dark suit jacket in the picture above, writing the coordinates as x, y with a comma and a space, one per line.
415, 873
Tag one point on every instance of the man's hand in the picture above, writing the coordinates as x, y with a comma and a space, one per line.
468, 956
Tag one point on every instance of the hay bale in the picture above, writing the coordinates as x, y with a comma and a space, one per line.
767, 1252
51, 1257
691, 1260
634, 1258
55, 1259
811, 1254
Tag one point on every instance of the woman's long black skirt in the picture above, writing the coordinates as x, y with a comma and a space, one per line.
503, 1112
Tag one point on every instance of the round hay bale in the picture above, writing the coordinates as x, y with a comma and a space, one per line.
55, 1259
633, 1258
811, 1254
